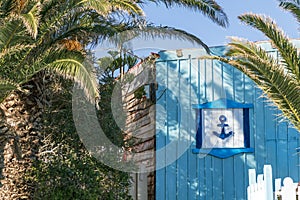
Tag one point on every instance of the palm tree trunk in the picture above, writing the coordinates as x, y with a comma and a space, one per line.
20, 138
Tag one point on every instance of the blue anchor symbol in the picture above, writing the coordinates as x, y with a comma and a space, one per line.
223, 135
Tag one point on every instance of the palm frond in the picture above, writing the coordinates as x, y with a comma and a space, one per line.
101, 7
73, 66
152, 32
293, 6
15, 51
8, 32
208, 8
6, 8
104, 7
128, 6
6, 87
51, 19
278, 39
270, 76
31, 20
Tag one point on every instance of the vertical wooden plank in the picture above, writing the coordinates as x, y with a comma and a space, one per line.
239, 160
184, 95
271, 142
201, 162
298, 164
217, 163
282, 133
271, 153
228, 81
228, 163
172, 130
193, 174
259, 127
270, 121
282, 150
217, 178
217, 80
228, 179
293, 163
270, 137
297, 150
238, 84
192, 167
282, 160
182, 177
209, 90
161, 129
209, 168
249, 97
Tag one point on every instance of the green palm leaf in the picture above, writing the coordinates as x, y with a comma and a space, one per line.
78, 69
128, 6
104, 7
278, 39
152, 32
8, 33
292, 6
6, 86
31, 20
208, 7
50, 23
13, 52
270, 76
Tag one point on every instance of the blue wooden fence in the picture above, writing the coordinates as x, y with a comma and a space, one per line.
185, 80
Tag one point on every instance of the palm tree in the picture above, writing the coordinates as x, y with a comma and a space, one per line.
52, 30
38, 35
279, 79
52, 35
39, 38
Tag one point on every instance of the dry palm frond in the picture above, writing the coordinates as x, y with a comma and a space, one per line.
71, 45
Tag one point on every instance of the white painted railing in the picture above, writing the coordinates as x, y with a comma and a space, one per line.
288, 190
262, 187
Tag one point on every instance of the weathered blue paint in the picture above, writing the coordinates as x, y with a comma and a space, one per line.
203, 176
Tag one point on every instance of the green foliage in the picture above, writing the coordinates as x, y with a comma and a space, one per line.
74, 174
33, 32
110, 66
109, 86
65, 169
52, 35
140, 92
5, 87
105, 114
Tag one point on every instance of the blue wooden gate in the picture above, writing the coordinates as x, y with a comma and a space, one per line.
185, 80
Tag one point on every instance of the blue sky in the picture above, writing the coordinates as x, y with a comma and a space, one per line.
210, 33
205, 29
